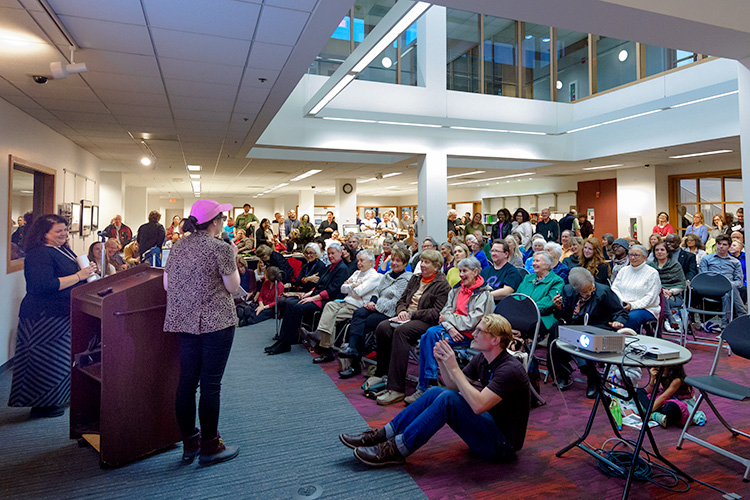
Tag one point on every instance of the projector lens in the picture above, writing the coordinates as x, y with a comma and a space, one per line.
584, 340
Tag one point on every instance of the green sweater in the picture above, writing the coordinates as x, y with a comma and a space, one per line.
543, 292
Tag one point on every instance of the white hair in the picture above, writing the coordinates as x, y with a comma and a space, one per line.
555, 247
367, 254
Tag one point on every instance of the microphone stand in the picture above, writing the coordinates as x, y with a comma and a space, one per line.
103, 237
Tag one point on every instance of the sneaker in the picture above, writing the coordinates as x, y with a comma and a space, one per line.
380, 455
390, 397
659, 418
410, 399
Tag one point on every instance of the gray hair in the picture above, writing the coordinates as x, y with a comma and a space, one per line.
471, 263
452, 211
555, 247
334, 244
470, 237
580, 277
447, 246
643, 250
353, 235
577, 239
570, 233
538, 236
315, 247
547, 258
367, 254
434, 243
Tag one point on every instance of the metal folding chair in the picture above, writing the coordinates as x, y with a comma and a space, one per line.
704, 296
735, 335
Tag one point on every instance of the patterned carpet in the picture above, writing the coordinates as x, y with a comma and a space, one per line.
445, 469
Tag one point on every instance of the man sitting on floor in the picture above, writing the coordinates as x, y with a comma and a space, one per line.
491, 421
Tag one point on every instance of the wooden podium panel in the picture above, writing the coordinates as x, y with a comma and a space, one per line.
124, 388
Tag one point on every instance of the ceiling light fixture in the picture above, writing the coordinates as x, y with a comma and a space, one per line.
464, 174
604, 166
194, 168
696, 101
480, 129
365, 181
609, 122
705, 153
306, 175
358, 120
623, 55
492, 178
392, 174
146, 161
345, 80
196, 186
410, 124
195, 176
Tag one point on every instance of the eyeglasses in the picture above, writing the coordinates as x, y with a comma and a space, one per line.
223, 217
636, 255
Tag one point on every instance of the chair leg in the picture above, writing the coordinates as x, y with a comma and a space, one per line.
731, 429
689, 421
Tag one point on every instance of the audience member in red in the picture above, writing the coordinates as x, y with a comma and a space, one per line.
264, 303
663, 227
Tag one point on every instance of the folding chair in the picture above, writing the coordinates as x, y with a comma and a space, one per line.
655, 327
704, 296
735, 335
523, 314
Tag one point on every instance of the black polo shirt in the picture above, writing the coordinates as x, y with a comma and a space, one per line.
507, 378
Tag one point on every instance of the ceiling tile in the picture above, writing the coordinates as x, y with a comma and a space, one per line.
200, 89
119, 62
203, 48
280, 26
201, 104
306, 5
200, 71
105, 35
219, 17
113, 81
259, 78
253, 94
142, 98
196, 114
70, 105
121, 11
137, 111
268, 56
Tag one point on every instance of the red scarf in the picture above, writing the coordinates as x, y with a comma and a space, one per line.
462, 300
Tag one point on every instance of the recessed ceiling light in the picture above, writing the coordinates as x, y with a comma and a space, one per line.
392, 174
365, 181
604, 166
386, 62
194, 168
705, 153
146, 161
623, 55
195, 176
305, 175
465, 173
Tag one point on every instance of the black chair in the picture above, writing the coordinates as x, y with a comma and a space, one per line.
704, 296
735, 334
523, 314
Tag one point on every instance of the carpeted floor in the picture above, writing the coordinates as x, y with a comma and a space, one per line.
444, 468
284, 413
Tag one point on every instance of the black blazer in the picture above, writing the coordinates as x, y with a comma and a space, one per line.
308, 269
332, 280
604, 307
279, 261
260, 238
688, 263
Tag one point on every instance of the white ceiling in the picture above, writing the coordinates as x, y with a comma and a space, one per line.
200, 80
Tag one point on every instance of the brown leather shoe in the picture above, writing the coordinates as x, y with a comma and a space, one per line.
368, 438
380, 455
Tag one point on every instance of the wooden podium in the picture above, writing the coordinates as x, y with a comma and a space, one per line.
125, 367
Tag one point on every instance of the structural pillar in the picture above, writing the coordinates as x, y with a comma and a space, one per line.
306, 203
432, 196
743, 85
346, 203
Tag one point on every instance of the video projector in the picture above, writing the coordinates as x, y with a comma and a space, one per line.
591, 338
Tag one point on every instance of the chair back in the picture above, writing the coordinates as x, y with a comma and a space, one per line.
711, 285
736, 334
522, 313
523, 272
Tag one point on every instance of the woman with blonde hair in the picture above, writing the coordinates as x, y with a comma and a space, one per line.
698, 227
515, 258
460, 252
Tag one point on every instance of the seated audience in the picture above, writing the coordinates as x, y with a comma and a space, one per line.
586, 228
738, 235
560, 269
383, 261
662, 227
698, 228
737, 250
369, 224
321, 242
542, 285
328, 288
466, 306
229, 227
418, 309
491, 420
446, 250
672, 279
95, 257
263, 304
502, 278
353, 242
428, 244
682, 256
726, 265
311, 271
264, 234
639, 287
576, 242
452, 225
460, 252
516, 258
271, 257
388, 226
131, 254
116, 259
607, 240
720, 227
580, 301
652, 241
592, 258
381, 306
357, 287
173, 231
537, 245
477, 249
620, 248
565, 237
244, 244
693, 244
349, 256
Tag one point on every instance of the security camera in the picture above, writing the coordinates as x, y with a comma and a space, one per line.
312, 187
647, 165
41, 80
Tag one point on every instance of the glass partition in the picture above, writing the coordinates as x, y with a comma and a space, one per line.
500, 57
615, 63
462, 50
536, 56
660, 59
572, 67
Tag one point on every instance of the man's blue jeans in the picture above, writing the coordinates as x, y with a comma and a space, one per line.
414, 426
428, 367
154, 252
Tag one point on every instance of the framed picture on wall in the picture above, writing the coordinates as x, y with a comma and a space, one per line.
95, 218
75, 224
86, 213
65, 210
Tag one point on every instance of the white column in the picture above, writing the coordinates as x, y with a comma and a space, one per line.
743, 84
636, 199
346, 203
306, 203
432, 196
431, 48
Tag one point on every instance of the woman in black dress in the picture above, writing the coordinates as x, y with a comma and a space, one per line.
41, 366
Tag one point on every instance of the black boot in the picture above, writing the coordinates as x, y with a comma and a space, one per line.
326, 355
353, 370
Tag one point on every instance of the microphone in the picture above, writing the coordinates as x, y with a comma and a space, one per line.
225, 236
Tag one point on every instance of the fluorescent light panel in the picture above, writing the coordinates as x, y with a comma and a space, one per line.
492, 179
462, 175
306, 175
332, 93
196, 185
392, 174
603, 166
194, 168
428, 125
195, 176
357, 120
705, 153
365, 181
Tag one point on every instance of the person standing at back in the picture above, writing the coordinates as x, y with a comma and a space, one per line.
151, 237
549, 228
200, 277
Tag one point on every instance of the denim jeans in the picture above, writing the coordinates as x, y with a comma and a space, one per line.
202, 361
414, 426
154, 252
637, 318
428, 367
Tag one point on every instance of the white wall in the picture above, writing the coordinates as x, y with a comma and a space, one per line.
25, 137
111, 194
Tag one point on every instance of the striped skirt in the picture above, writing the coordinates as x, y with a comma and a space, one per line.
41, 366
